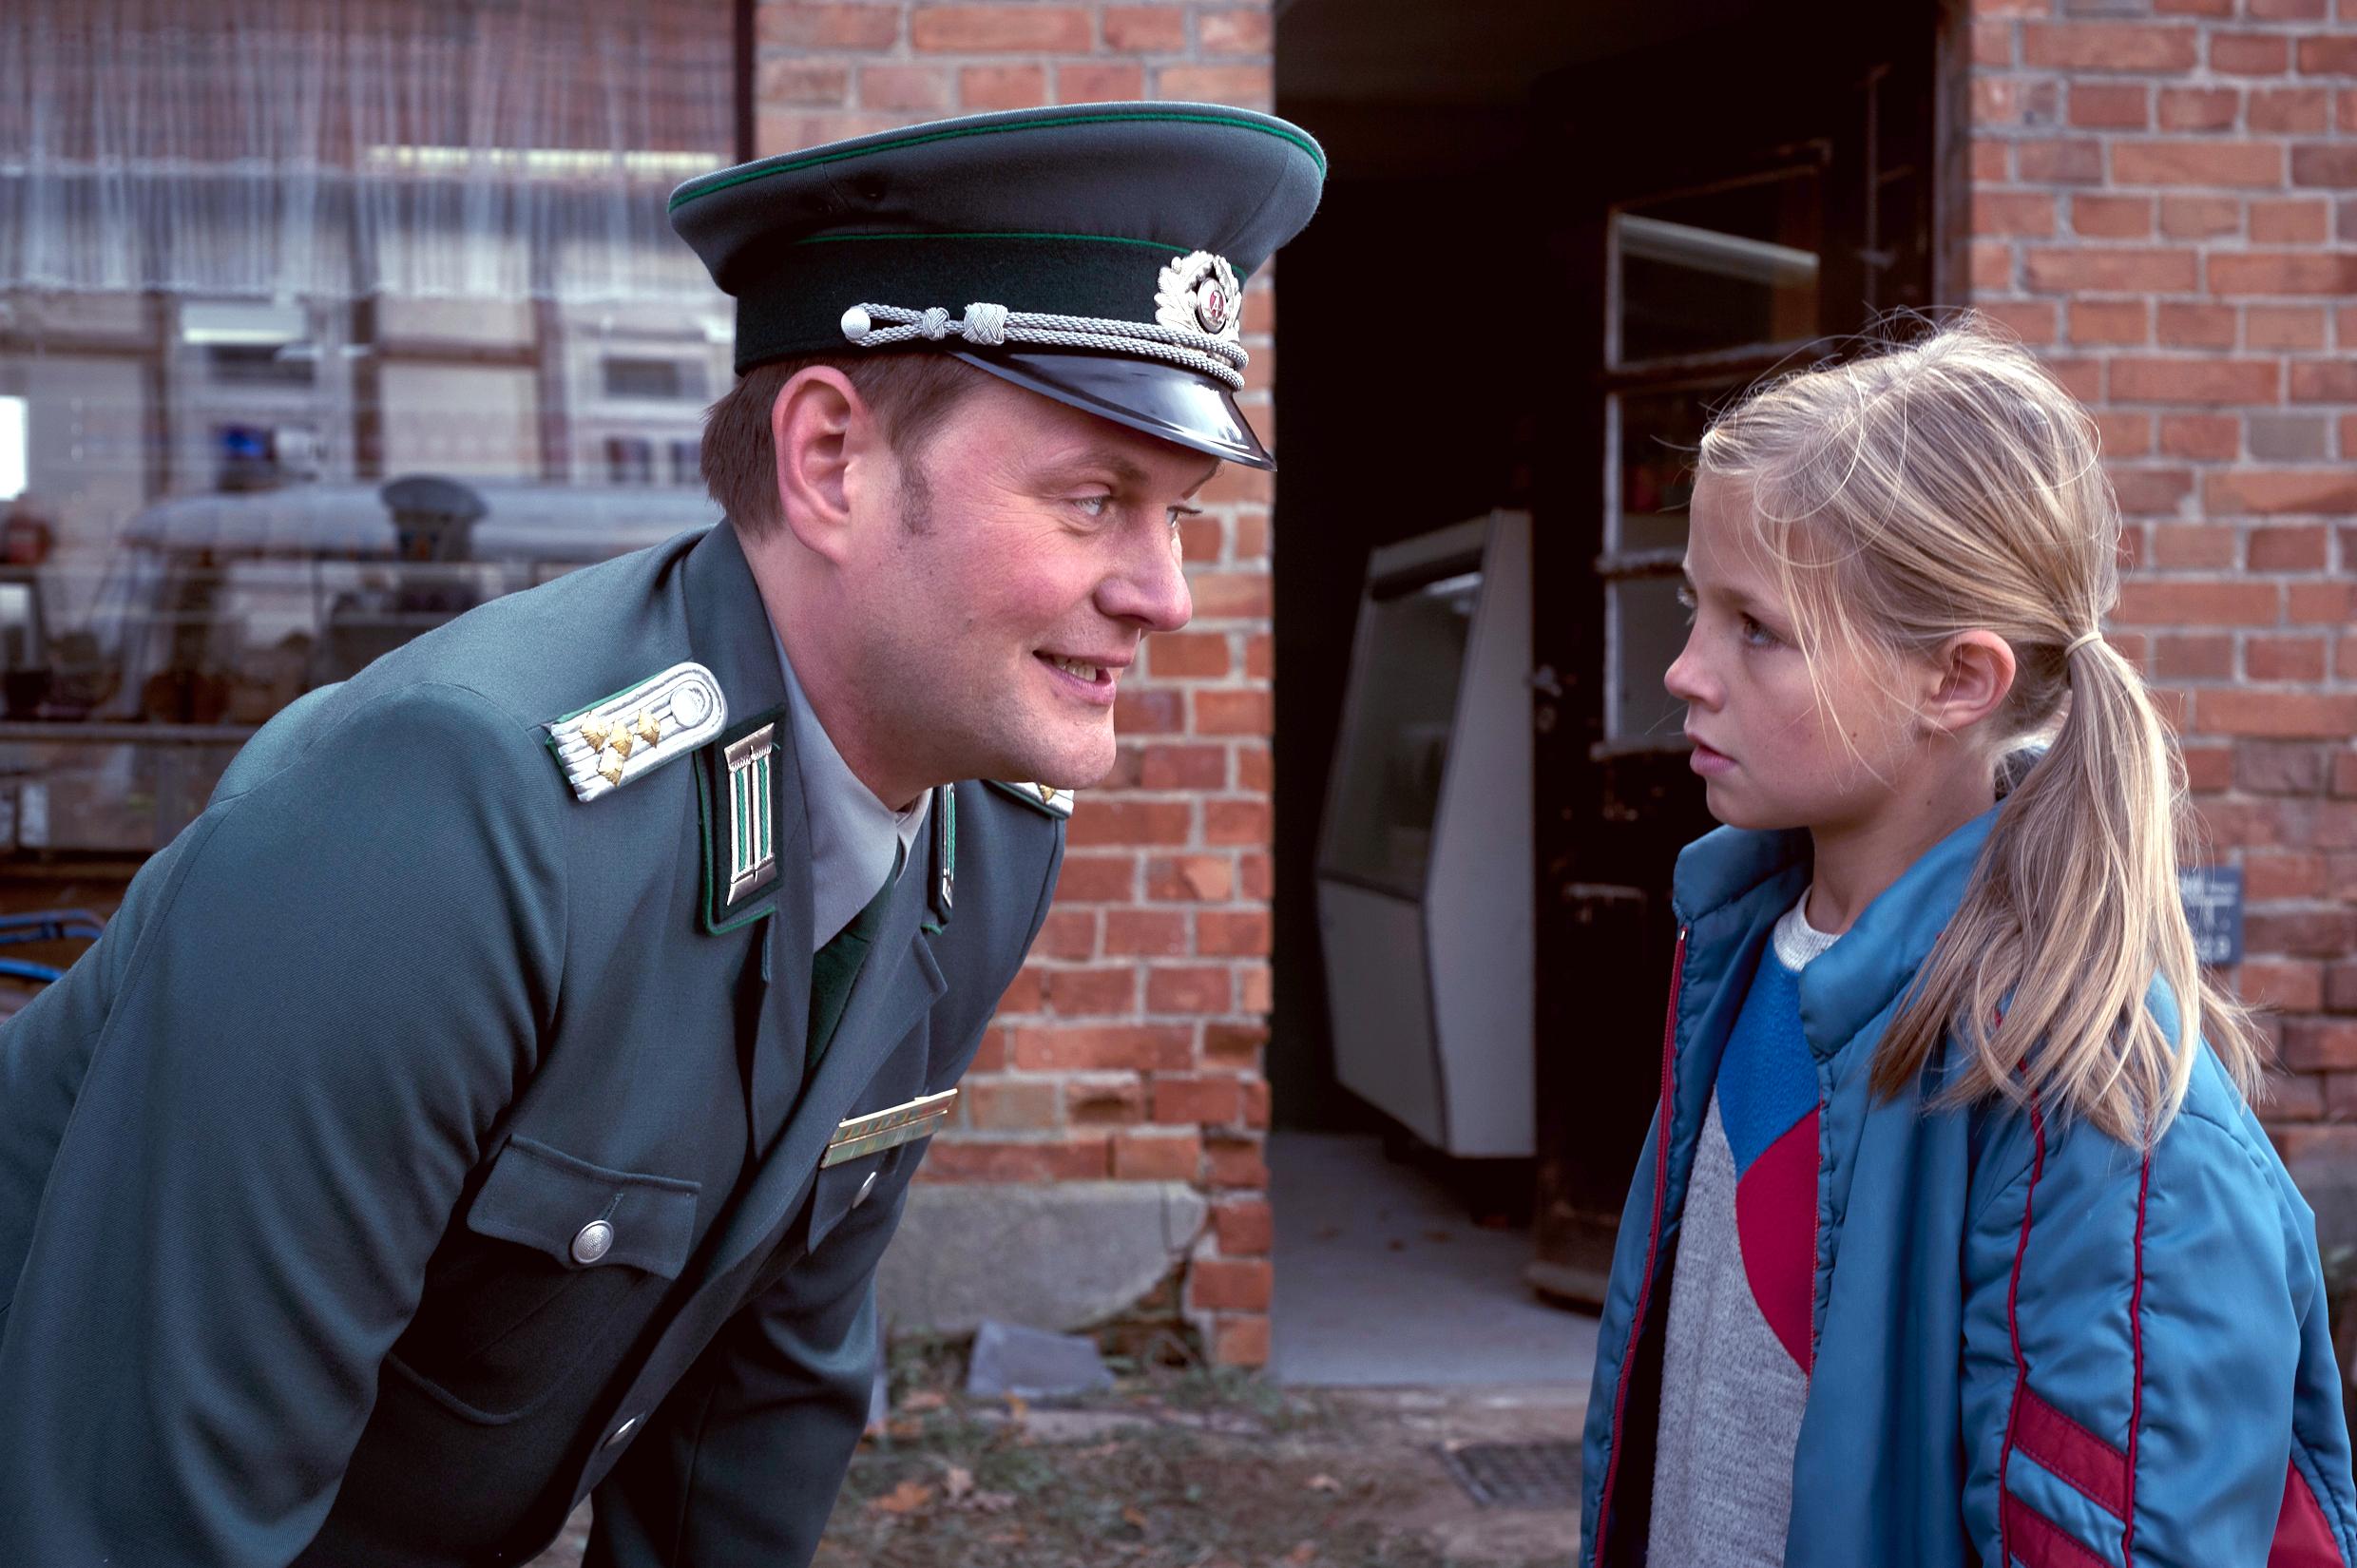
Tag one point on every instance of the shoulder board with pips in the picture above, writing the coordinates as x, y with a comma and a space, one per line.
636, 730
1045, 798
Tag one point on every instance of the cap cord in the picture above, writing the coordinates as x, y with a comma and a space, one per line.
989, 325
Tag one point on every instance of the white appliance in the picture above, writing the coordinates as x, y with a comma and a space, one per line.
1424, 873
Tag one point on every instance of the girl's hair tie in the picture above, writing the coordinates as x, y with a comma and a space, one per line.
2081, 641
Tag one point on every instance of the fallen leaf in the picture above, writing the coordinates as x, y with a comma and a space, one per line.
927, 1399
1302, 1552
959, 1481
1136, 1517
993, 1502
1324, 1483
906, 1498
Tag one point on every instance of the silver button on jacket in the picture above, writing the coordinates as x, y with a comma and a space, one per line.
593, 1241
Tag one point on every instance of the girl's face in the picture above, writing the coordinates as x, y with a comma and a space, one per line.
1771, 754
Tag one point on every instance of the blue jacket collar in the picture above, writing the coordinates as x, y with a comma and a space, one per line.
1755, 876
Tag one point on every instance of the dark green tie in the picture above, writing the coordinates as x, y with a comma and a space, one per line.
834, 966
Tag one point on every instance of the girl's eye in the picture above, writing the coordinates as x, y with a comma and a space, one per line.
1686, 603
1757, 635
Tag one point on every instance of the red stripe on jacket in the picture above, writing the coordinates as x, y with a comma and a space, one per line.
2013, 1329
2303, 1539
2073, 1453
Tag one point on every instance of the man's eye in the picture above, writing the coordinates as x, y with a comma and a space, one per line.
1179, 514
1094, 504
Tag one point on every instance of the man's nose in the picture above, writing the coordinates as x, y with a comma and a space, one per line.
1151, 588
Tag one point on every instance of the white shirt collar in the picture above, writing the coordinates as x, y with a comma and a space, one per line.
854, 836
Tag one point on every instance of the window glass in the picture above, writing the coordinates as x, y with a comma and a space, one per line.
234, 327
1658, 433
1727, 271
1648, 629
1394, 751
1722, 269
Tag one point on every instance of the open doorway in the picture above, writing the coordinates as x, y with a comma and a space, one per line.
1554, 237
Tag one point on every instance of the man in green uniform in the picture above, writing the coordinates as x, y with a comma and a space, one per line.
503, 1093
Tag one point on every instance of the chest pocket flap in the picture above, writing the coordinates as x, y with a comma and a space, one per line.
585, 1215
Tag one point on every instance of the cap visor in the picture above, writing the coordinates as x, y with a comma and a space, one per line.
1160, 400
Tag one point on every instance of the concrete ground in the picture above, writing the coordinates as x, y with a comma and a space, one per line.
1382, 1280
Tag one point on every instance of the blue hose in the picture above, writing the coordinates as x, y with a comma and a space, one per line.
45, 926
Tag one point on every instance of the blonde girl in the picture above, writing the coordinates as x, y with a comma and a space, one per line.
1955, 1240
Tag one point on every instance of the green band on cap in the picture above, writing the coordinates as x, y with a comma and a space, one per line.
1011, 234
763, 171
791, 299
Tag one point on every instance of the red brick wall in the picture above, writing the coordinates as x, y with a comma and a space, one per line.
2164, 201
1131, 1048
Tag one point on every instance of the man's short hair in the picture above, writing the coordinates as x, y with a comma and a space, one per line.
908, 389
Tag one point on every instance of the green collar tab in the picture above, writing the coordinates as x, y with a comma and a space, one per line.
944, 890
738, 829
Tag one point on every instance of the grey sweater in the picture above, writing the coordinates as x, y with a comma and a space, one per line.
1732, 1391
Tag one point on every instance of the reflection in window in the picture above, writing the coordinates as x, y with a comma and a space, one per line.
235, 364
663, 380
11, 447
1658, 435
1722, 269
224, 609
19, 629
629, 460
232, 324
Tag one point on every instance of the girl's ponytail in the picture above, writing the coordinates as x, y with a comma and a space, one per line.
2043, 974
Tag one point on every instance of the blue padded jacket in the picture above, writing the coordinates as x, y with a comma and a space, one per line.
2032, 1344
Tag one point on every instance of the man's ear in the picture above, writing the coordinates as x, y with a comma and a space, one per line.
1972, 675
825, 439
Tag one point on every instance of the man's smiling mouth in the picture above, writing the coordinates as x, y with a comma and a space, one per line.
1098, 676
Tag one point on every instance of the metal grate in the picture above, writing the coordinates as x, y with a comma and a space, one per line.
1517, 1475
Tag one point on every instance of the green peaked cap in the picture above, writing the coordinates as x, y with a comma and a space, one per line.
1106, 212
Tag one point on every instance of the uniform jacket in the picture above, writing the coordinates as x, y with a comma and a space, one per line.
292, 1161
2031, 1343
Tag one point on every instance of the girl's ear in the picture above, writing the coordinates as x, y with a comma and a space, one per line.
1973, 673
